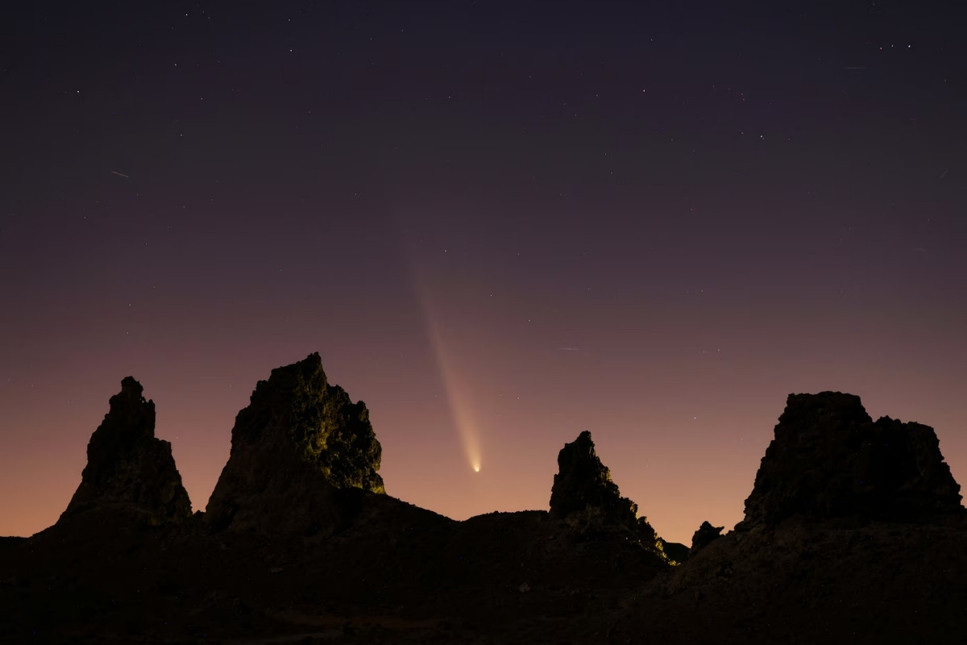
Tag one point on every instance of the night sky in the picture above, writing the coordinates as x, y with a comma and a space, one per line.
500, 223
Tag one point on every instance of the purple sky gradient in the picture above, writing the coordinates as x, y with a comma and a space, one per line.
507, 222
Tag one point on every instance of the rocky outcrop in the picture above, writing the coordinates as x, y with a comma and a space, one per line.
584, 494
676, 552
705, 535
128, 467
301, 453
830, 459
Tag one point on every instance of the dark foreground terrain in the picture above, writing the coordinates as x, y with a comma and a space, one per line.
517, 578
854, 533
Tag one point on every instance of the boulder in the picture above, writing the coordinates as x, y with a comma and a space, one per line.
128, 467
303, 456
830, 459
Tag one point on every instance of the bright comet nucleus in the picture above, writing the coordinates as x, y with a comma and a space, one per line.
457, 392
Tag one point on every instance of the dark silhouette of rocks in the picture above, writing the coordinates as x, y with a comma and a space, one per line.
705, 535
675, 551
128, 468
830, 459
302, 455
376, 569
584, 494
853, 532
583, 482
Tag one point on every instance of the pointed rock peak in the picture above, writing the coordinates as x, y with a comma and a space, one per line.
582, 480
583, 492
130, 388
705, 535
830, 459
127, 466
299, 440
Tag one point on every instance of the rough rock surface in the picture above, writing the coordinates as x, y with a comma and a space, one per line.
830, 459
301, 453
128, 467
676, 552
583, 493
705, 535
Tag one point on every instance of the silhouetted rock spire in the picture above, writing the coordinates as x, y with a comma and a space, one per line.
583, 491
830, 459
127, 466
705, 535
299, 443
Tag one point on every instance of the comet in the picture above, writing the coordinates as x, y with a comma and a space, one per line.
461, 408
451, 366
120, 174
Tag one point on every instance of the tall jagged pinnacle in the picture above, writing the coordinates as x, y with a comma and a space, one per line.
583, 489
298, 442
127, 466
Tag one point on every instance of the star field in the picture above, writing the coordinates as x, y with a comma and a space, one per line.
499, 223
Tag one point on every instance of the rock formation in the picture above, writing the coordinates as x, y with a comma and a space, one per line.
830, 459
299, 451
675, 552
584, 493
705, 535
127, 467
